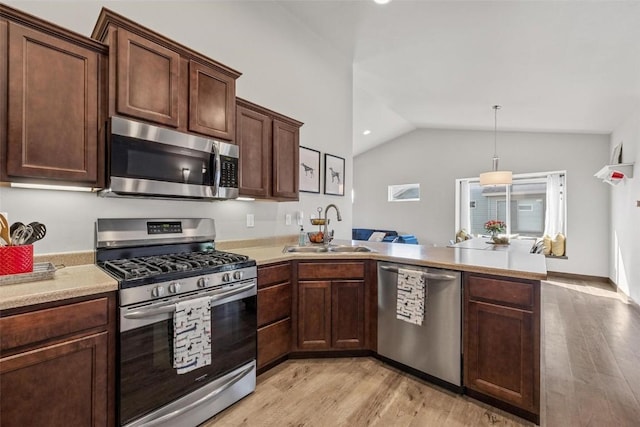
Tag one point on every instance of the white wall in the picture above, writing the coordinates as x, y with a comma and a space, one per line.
435, 158
285, 68
624, 269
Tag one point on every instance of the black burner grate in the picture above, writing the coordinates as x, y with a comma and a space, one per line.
149, 266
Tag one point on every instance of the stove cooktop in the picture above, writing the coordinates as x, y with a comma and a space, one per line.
152, 269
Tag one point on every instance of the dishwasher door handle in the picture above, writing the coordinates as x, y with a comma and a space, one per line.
426, 275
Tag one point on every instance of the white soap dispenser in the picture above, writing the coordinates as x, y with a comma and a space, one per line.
302, 238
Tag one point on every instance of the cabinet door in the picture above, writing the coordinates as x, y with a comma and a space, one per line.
499, 353
212, 100
147, 80
314, 315
52, 130
274, 341
347, 314
274, 303
60, 385
253, 136
285, 160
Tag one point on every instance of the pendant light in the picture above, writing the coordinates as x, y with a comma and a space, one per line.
496, 177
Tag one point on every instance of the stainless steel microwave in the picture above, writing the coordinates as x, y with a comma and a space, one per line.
149, 161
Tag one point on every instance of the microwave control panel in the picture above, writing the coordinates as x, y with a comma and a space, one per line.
228, 172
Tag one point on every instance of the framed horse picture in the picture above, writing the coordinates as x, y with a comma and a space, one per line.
309, 170
333, 175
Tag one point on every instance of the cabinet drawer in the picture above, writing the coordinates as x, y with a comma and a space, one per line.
333, 270
273, 274
41, 325
518, 294
274, 303
274, 341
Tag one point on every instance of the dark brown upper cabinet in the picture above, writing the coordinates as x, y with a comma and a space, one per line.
147, 79
155, 79
269, 151
52, 107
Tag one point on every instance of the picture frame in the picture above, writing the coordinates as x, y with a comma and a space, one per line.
309, 170
334, 175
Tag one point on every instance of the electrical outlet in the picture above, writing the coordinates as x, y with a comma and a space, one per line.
287, 219
250, 220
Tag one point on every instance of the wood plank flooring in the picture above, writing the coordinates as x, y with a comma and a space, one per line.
590, 377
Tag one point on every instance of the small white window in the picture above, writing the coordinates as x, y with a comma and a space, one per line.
404, 193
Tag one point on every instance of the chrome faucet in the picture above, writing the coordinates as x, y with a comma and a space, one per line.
325, 237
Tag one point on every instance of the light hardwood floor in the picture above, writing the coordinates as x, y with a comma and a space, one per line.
590, 377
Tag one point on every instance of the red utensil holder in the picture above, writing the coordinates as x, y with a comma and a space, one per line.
16, 259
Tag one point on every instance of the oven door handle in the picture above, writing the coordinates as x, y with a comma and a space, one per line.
210, 396
170, 308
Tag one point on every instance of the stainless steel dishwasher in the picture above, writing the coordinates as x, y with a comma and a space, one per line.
434, 349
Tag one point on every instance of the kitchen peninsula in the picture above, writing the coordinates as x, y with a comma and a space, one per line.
501, 287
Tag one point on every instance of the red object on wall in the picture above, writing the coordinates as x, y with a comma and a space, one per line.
617, 175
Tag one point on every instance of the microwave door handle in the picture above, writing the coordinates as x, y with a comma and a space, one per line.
216, 176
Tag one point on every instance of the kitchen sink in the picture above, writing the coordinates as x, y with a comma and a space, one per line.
326, 249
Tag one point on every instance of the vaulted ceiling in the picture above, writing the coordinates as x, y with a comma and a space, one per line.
557, 66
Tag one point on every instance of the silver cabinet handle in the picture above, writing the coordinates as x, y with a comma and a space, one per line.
210, 396
171, 307
425, 274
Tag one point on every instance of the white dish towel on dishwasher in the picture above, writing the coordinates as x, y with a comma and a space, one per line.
192, 334
412, 296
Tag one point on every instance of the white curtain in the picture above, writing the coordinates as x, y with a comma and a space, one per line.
554, 215
465, 211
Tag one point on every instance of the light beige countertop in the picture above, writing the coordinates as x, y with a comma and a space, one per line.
485, 244
87, 279
514, 262
68, 282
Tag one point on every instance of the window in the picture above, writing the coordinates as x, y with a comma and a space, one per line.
404, 193
536, 201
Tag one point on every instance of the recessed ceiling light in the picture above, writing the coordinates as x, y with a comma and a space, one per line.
382, 1
366, 132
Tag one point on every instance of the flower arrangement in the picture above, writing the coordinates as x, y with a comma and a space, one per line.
495, 226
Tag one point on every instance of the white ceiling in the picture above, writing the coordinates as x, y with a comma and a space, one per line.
557, 66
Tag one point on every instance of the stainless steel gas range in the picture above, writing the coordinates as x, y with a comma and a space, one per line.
160, 264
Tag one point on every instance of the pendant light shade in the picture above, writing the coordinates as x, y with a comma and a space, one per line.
496, 177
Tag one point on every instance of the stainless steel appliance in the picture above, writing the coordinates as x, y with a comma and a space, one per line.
157, 263
147, 160
433, 350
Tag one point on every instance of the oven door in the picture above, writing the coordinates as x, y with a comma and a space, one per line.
148, 160
147, 380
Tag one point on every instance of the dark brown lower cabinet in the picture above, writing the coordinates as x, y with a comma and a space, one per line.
347, 314
314, 315
331, 315
274, 313
63, 384
274, 342
502, 343
57, 365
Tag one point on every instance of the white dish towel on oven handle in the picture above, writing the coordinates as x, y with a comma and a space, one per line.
411, 296
192, 334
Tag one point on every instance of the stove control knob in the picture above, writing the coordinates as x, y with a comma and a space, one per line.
158, 291
237, 275
203, 282
175, 287
226, 277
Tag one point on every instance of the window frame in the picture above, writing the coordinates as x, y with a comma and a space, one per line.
516, 177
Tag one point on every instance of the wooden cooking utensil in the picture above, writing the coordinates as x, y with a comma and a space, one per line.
4, 230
